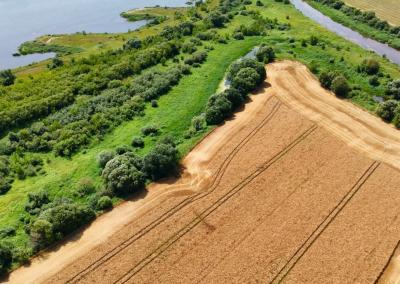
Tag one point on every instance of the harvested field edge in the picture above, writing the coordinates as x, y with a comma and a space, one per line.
152, 256
327, 221
219, 174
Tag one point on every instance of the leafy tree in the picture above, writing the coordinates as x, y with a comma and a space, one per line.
41, 233
235, 97
386, 110
265, 54
5, 258
246, 80
393, 89
340, 86
369, 66
247, 62
104, 203
151, 130
7, 78
326, 78
216, 19
36, 200
104, 157
123, 175
218, 108
133, 44
137, 142
85, 187
55, 62
67, 217
160, 162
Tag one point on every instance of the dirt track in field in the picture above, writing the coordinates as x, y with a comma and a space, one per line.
299, 187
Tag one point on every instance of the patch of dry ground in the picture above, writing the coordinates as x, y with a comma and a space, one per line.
299, 187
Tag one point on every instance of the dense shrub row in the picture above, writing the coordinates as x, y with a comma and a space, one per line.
244, 75
69, 129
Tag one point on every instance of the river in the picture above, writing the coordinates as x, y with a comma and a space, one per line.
355, 37
24, 20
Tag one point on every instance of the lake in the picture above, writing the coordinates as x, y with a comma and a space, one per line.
24, 20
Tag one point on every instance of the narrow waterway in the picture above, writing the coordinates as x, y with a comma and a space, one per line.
347, 33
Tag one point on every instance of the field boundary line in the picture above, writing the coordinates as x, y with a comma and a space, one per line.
218, 176
208, 211
325, 223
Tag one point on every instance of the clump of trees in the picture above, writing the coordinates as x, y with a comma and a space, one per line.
369, 66
387, 110
335, 82
245, 75
340, 86
7, 78
393, 89
5, 258
123, 174
265, 54
58, 220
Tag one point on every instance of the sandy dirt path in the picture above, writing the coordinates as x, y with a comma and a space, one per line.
263, 197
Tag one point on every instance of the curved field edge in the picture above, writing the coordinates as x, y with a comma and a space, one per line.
174, 114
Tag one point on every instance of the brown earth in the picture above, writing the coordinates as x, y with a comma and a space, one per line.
298, 187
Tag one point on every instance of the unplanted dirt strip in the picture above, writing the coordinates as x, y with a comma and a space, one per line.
152, 256
328, 220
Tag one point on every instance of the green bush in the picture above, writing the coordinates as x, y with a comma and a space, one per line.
218, 108
265, 54
161, 161
244, 63
393, 89
104, 157
246, 80
104, 203
326, 78
5, 258
36, 200
369, 66
7, 78
386, 110
41, 233
137, 142
123, 174
340, 86
150, 130
235, 97
85, 187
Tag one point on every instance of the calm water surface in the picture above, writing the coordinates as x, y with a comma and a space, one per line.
367, 43
23, 20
